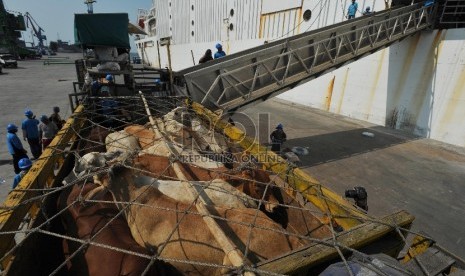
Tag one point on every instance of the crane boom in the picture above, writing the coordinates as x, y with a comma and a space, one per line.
36, 29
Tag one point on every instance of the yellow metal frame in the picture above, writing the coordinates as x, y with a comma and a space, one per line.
41, 175
330, 203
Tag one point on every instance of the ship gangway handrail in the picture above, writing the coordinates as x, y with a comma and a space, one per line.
257, 74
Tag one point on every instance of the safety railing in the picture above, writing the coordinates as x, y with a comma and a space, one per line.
265, 71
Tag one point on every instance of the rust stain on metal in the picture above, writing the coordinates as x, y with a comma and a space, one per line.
344, 85
454, 104
298, 18
375, 84
404, 73
329, 94
424, 86
260, 32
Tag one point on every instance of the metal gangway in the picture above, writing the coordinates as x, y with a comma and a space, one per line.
257, 74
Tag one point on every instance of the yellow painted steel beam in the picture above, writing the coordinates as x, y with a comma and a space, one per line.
330, 203
16, 206
358, 237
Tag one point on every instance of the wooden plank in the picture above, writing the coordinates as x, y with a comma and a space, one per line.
330, 203
355, 238
14, 209
230, 249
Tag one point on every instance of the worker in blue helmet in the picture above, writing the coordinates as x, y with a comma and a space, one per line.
219, 53
30, 127
109, 78
278, 137
367, 11
15, 147
24, 164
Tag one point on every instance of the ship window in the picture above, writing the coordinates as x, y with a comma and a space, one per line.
307, 15
170, 4
170, 16
192, 22
231, 12
192, 7
192, 33
231, 27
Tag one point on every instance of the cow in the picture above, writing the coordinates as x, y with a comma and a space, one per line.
121, 141
94, 142
253, 182
97, 222
217, 192
144, 135
91, 162
161, 222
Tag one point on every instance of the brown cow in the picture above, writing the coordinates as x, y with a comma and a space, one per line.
84, 221
159, 216
253, 183
94, 142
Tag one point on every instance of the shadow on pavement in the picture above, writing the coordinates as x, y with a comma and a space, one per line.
339, 145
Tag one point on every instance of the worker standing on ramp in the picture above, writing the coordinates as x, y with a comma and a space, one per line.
352, 10
30, 128
220, 53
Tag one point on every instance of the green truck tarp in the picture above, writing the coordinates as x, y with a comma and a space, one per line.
102, 29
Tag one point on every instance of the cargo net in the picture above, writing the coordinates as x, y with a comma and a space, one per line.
155, 189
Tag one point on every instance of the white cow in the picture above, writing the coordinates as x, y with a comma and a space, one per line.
121, 141
217, 192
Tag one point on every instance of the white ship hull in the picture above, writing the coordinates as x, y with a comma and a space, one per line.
416, 85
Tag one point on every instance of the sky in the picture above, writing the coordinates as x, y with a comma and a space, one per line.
56, 17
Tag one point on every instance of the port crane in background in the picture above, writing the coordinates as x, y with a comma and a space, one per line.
37, 30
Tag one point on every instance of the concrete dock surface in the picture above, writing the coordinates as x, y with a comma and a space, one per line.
399, 170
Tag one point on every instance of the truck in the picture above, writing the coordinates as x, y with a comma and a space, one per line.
338, 236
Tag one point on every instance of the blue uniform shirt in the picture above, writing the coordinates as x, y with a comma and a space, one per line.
18, 178
352, 9
13, 141
31, 127
220, 54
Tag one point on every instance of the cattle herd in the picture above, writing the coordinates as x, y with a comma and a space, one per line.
125, 198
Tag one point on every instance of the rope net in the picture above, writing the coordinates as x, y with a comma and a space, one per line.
153, 188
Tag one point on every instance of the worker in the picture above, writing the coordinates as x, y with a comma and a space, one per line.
55, 117
110, 78
15, 147
278, 137
206, 57
429, 3
47, 131
219, 53
367, 11
31, 133
24, 164
352, 10
95, 87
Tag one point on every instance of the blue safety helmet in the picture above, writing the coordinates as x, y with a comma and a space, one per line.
24, 163
109, 77
28, 113
11, 127
218, 46
368, 8
43, 118
279, 126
